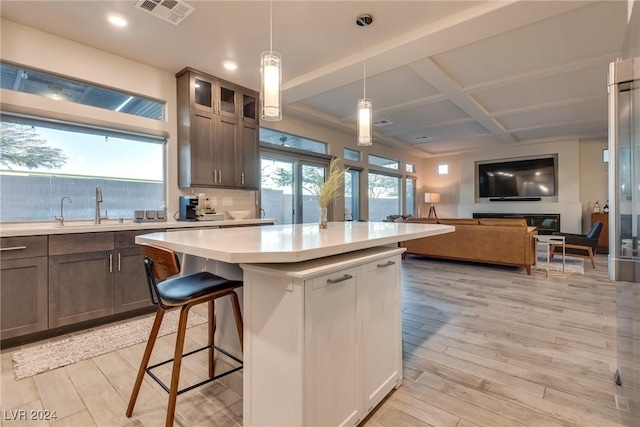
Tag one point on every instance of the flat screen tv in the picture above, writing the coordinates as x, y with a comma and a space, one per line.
518, 178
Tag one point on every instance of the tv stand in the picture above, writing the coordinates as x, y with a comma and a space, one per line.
545, 223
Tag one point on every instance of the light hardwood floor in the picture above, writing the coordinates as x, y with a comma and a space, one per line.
483, 346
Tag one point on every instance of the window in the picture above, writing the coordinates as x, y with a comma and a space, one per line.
352, 195
443, 169
410, 168
288, 191
410, 196
353, 155
384, 162
43, 161
25, 80
292, 141
384, 196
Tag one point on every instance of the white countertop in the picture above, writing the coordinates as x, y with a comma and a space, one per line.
45, 228
289, 243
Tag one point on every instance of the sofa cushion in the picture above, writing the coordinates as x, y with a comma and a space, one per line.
458, 221
504, 222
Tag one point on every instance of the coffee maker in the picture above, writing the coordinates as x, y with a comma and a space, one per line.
188, 208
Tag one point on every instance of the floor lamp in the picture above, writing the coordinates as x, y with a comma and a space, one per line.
432, 198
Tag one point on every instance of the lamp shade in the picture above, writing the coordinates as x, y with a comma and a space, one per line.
270, 93
432, 197
364, 118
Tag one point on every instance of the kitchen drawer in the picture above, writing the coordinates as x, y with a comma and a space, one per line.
62, 244
127, 239
23, 247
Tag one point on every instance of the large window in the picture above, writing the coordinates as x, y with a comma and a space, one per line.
352, 195
25, 80
292, 141
43, 161
288, 187
410, 196
384, 196
383, 162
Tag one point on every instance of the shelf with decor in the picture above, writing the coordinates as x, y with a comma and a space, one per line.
603, 240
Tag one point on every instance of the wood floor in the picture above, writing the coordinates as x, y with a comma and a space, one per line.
483, 346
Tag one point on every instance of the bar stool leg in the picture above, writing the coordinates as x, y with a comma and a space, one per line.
238, 315
177, 362
145, 360
212, 333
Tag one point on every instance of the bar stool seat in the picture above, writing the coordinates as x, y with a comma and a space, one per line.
169, 290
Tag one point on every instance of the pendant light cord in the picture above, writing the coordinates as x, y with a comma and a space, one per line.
271, 25
364, 73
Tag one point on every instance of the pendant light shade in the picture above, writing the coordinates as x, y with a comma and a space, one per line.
365, 136
270, 93
271, 79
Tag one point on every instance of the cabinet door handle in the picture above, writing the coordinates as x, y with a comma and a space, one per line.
220, 176
13, 248
110, 263
119, 262
341, 279
242, 178
387, 264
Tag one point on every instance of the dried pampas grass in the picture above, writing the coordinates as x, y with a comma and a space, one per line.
329, 190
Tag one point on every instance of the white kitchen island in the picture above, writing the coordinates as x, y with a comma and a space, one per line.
321, 309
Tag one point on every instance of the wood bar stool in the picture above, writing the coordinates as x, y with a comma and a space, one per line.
168, 290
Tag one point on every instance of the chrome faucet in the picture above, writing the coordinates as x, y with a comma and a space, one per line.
61, 217
99, 200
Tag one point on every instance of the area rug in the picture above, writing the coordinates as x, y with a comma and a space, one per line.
573, 265
46, 357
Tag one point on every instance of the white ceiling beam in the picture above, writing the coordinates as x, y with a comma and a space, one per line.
445, 84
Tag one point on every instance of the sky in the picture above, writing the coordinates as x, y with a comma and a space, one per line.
98, 155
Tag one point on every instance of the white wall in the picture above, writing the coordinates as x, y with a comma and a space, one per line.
582, 179
594, 178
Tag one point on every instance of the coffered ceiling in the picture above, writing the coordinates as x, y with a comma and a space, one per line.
446, 76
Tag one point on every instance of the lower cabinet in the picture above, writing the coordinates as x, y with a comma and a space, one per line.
93, 275
23, 288
80, 287
332, 336
381, 329
131, 291
323, 338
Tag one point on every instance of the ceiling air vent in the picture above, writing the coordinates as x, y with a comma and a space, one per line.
383, 122
168, 10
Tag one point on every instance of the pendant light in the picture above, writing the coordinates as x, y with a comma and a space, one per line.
271, 75
364, 108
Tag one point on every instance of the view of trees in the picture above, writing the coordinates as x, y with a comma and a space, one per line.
22, 146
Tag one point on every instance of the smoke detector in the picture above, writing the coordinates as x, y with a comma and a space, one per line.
364, 20
173, 11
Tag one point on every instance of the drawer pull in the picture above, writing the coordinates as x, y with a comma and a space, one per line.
387, 264
110, 263
341, 279
13, 248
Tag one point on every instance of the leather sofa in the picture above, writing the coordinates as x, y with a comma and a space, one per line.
503, 241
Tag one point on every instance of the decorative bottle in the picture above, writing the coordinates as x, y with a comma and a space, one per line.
596, 208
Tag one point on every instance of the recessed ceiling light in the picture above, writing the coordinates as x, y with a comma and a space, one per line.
117, 21
230, 65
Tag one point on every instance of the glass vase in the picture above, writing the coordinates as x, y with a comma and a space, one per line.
322, 222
